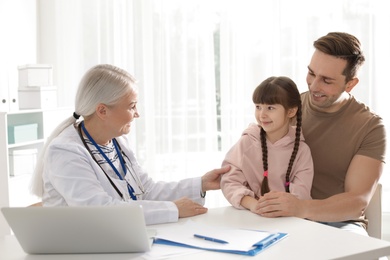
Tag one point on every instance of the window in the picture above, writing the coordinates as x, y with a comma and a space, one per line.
198, 62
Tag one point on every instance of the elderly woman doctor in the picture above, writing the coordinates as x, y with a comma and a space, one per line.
87, 160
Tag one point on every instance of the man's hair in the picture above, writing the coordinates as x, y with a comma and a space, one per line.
344, 46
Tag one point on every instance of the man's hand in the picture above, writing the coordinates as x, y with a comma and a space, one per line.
279, 204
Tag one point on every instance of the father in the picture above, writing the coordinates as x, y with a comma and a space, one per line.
346, 138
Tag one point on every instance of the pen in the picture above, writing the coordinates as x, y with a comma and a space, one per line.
211, 239
268, 241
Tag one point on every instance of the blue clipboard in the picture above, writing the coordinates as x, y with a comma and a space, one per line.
258, 247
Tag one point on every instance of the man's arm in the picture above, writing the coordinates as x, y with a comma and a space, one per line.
360, 183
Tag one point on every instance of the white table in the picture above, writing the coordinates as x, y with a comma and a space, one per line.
306, 240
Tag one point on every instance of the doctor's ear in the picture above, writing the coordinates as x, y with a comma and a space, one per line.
101, 110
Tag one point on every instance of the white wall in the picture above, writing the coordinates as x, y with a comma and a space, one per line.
59, 39
386, 226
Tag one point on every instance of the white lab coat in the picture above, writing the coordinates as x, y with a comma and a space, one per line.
72, 178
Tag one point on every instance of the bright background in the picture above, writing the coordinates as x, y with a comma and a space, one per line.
197, 63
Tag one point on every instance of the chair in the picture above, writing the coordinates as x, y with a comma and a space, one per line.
374, 214
37, 204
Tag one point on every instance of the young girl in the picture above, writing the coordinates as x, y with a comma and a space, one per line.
270, 155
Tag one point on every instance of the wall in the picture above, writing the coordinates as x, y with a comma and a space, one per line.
386, 226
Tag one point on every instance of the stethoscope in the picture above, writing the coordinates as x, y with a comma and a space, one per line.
125, 167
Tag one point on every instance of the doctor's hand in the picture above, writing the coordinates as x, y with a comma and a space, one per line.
189, 208
212, 179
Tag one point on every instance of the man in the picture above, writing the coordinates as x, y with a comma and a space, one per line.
346, 139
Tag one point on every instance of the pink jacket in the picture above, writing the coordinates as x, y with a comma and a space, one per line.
246, 173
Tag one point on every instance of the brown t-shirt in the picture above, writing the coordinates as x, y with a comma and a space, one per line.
335, 138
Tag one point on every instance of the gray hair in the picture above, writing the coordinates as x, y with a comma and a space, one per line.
102, 83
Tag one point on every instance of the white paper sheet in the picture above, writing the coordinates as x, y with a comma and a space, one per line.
238, 239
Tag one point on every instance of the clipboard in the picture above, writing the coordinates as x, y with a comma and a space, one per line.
183, 236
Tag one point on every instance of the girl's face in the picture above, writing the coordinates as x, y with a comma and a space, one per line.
274, 119
123, 113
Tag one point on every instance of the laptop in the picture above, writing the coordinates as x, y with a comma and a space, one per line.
73, 230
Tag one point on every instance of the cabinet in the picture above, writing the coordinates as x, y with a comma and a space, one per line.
8, 93
14, 190
8, 100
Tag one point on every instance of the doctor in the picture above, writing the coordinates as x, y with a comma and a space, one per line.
87, 160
